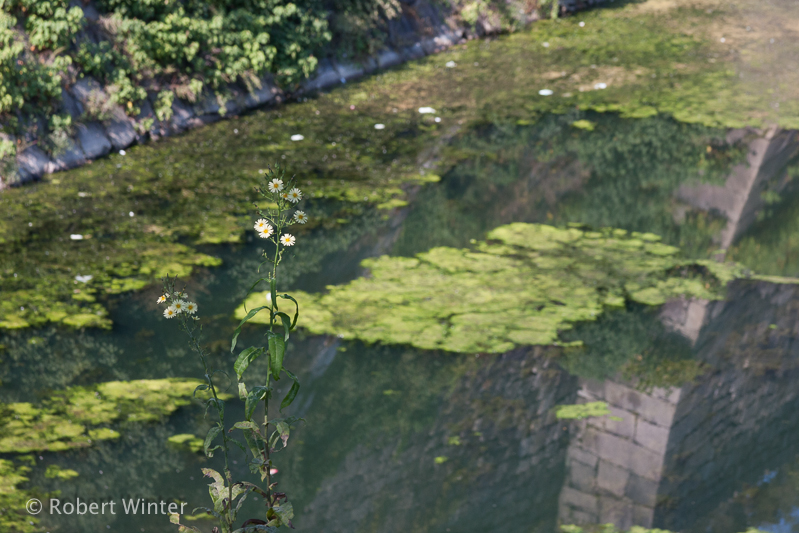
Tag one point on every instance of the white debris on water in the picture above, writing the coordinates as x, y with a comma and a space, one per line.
582, 24
84, 279
380, 126
297, 137
545, 45
450, 64
122, 152
545, 92
424, 110
131, 214
76, 237
600, 86
438, 119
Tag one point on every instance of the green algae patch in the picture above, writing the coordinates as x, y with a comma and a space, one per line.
56, 472
75, 417
524, 285
583, 410
187, 441
13, 498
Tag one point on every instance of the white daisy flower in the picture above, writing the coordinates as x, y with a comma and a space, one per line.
170, 311
285, 195
266, 232
179, 306
275, 185
295, 195
300, 217
261, 225
161, 299
287, 239
190, 308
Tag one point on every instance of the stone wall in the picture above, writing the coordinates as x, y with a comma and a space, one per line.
420, 30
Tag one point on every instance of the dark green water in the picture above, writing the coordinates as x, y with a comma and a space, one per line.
402, 440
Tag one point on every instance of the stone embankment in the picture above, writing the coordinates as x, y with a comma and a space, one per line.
421, 30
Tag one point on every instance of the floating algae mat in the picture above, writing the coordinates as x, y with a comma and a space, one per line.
522, 286
77, 416
13, 498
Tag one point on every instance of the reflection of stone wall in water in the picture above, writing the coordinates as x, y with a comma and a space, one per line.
614, 467
738, 421
675, 457
508, 464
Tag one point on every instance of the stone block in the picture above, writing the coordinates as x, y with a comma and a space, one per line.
612, 478
181, 115
628, 455
121, 134
623, 428
72, 156
615, 511
643, 516
582, 477
84, 87
652, 437
92, 140
32, 163
261, 95
349, 71
71, 104
388, 58
416, 51
207, 103
641, 490
581, 500
325, 76
579, 454
655, 410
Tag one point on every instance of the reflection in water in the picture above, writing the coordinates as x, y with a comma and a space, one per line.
399, 439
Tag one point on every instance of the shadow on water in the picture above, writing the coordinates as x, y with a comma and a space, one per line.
399, 439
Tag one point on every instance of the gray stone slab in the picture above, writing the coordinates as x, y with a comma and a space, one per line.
626, 454
655, 410
71, 104
32, 163
84, 87
651, 436
415, 51
612, 478
207, 103
325, 76
121, 134
181, 114
642, 491
581, 500
388, 58
261, 95
576, 453
616, 512
582, 476
624, 427
349, 71
92, 140
71, 157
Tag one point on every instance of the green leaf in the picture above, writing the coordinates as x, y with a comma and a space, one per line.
295, 387
199, 387
277, 349
245, 358
236, 333
296, 312
209, 438
253, 397
245, 424
286, 324
272, 285
284, 430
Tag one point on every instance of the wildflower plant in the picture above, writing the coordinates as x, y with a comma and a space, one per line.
263, 438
